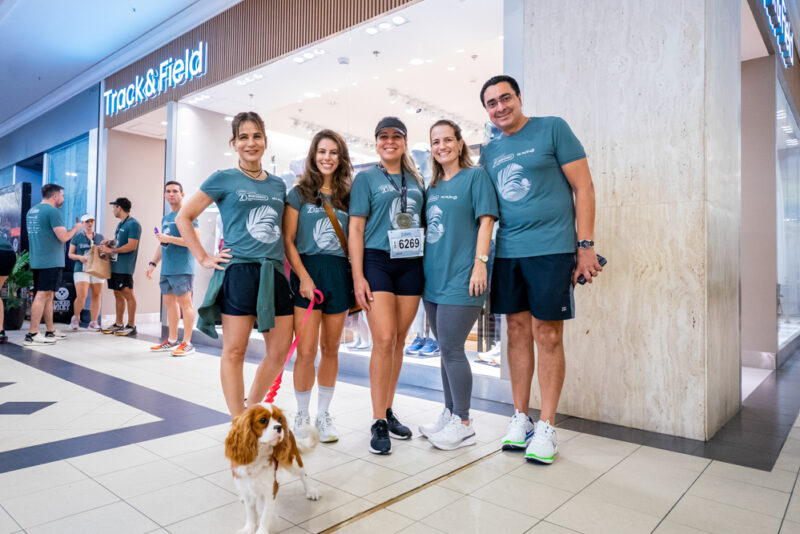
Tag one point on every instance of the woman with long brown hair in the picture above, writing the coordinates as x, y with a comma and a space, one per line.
314, 225
386, 243
248, 286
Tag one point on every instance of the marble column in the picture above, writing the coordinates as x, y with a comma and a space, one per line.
652, 89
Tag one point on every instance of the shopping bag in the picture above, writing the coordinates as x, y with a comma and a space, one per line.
98, 264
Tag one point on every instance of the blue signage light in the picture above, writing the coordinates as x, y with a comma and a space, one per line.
779, 22
170, 73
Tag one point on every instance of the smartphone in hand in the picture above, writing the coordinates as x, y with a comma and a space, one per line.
155, 231
601, 260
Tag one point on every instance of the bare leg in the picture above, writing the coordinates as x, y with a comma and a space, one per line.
405, 309
185, 304
550, 344
235, 335
278, 341
520, 358
331, 332
130, 300
37, 310
383, 326
173, 315
119, 307
81, 290
48, 312
94, 305
307, 343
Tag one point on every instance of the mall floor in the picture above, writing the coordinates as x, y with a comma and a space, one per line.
98, 435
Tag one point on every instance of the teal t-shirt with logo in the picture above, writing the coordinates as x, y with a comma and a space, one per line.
537, 213
125, 262
175, 259
315, 233
373, 197
82, 247
452, 210
251, 211
47, 250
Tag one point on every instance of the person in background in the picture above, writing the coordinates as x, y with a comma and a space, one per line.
248, 285
46, 238
177, 275
79, 248
461, 207
547, 208
319, 261
124, 250
7, 260
386, 243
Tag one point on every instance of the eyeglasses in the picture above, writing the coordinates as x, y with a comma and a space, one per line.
503, 99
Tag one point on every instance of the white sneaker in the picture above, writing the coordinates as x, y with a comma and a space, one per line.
94, 326
435, 426
300, 426
326, 428
544, 445
59, 334
520, 430
38, 339
453, 435
74, 324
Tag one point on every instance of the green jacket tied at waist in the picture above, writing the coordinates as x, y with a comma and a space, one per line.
210, 314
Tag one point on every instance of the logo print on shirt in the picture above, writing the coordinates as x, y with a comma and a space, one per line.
410, 208
435, 226
263, 224
325, 235
511, 185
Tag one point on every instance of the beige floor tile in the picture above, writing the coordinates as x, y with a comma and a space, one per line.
203, 462
469, 514
218, 432
41, 477
119, 518
182, 501
543, 527
398, 488
324, 457
425, 502
565, 473
408, 460
62, 501
788, 462
336, 515
670, 527
355, 444
793, 510
711, 516
296, 508
505, 461
776, 479
667, 459
420, 528
145, 478
383, 521
108, 461
471, 479
180, 444
7, 523
223, 479
523, 496
228, 518
747, 496
790, 527
589, 515
359, 477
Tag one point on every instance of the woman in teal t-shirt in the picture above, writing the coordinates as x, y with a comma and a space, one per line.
386, 242
249, 285
319, 261
461, 207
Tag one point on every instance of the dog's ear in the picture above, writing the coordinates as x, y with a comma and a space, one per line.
241, 445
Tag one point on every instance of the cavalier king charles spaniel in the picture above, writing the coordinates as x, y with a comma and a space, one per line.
258, 444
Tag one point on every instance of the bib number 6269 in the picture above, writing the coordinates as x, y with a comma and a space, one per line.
408, 243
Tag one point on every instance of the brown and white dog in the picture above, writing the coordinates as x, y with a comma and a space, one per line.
258, 444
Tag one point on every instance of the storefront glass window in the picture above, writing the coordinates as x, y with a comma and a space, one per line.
7, 176
788, 220
68, 166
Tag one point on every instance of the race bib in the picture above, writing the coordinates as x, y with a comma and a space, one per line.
408, 243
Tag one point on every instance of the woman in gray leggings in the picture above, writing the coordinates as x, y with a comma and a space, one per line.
461, 208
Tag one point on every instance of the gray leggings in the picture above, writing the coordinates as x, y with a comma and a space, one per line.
451, 325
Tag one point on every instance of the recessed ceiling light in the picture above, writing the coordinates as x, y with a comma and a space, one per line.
411, 111
372, 30
310, 94
298, 60
460, 51
451, 68
428, 61
308, 55
398, 20
385, 26
227, 154
376, 77
163, 123
319, 51
400, 69
229, 119
417, 61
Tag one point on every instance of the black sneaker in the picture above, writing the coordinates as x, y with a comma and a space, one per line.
380, 442
111, 329
3, 337
126, 330
397, 429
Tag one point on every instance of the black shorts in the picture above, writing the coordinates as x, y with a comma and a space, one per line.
401, 276
541, 285
7, 261
333, 277
239, 292
47, 279
120, 281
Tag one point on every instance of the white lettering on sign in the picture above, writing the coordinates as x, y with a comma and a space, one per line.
170, 73
781, 29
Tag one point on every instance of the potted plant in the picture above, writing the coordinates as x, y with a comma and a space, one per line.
20, 278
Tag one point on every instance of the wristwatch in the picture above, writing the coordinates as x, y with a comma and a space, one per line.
154, 264
483, 257
585, 243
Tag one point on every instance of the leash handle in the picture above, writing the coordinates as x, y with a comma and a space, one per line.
276, 385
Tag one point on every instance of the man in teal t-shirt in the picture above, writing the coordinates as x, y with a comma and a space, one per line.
46, 238
123, 250
538, 166
177, 275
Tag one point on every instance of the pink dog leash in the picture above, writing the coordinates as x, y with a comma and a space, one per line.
276, 385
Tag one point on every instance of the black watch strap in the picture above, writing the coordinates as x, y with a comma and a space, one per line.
585, 243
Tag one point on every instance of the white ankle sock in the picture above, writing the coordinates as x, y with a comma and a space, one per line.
303, 400
324, 396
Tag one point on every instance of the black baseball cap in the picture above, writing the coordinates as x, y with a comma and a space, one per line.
123, 203
391, 122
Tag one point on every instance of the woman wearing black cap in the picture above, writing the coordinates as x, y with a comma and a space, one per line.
248, 285
386, 244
